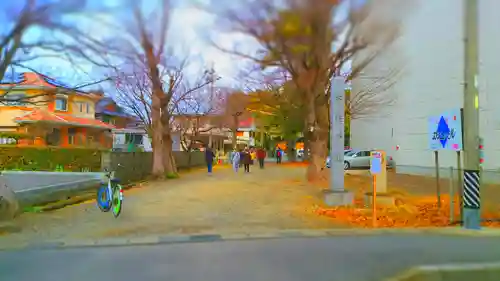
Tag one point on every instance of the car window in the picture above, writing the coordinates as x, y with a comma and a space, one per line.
350, 153
364, 153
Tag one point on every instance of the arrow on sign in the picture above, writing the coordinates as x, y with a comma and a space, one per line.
443, 131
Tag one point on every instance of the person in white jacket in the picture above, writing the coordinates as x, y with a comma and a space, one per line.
235, 159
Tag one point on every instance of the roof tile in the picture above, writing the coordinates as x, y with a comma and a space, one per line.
38, 115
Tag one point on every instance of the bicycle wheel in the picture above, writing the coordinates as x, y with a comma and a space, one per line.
117, 200
103, 200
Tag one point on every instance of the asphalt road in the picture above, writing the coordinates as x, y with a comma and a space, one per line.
334, 259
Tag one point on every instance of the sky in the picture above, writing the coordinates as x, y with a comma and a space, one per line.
190, 29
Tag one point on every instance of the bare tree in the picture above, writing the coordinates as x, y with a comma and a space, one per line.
138, 49
18, 51
372, 96
235, 110
197, 115
297, 36
136, 93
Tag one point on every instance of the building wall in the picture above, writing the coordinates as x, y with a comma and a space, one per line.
74, 107
9, 112
430, 57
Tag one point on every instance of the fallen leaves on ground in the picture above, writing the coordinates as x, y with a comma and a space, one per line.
408, 211
295, 164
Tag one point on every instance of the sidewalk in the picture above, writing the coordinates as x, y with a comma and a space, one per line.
266, 200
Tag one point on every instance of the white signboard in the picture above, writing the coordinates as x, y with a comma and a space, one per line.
445, 131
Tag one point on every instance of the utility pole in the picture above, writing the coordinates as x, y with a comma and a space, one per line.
471, 188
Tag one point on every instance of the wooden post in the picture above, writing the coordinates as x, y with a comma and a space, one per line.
374, 201
438, 185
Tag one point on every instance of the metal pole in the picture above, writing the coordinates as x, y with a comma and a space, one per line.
460, 186
438, 180
471, 209
452, 196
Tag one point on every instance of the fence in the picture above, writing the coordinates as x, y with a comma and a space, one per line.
135, 166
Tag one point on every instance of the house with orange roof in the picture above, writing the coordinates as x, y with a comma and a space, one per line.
39, 111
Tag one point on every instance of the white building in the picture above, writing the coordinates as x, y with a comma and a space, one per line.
131, 139
430, 57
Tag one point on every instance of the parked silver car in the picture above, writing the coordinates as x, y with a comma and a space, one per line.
359, 159
328, 158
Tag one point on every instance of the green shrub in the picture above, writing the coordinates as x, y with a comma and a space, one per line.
49, 159
172, 175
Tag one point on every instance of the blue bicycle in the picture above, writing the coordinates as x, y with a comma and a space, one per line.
110, 195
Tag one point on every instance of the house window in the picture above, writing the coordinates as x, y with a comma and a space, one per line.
83, 107
14, 99
133, 138
71, 135
61, 104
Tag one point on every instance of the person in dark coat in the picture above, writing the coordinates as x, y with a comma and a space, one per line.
279, 155
261, 156
242, 154
247, 160
209, 158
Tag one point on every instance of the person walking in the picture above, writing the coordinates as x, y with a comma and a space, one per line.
241, 152
253, 155
279, 154
261, 156
247, 160
235, 160
209, 158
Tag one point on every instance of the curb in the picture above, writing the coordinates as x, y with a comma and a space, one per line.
458, 271
174, 239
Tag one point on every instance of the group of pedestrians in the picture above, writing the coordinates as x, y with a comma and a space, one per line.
243, 157
246, 157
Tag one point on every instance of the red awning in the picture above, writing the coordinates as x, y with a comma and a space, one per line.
38, 115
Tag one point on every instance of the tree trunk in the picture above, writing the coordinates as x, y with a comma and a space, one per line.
317, 116
168, 155
158, 170
157, 103
235, 131
290, 150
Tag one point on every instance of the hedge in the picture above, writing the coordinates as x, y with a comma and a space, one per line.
49, 159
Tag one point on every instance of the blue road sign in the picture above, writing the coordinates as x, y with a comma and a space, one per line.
376, 163
445, 131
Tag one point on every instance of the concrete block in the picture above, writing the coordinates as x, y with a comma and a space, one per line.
339, 198
382, 199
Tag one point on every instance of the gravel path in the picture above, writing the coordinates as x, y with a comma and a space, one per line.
264, 200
